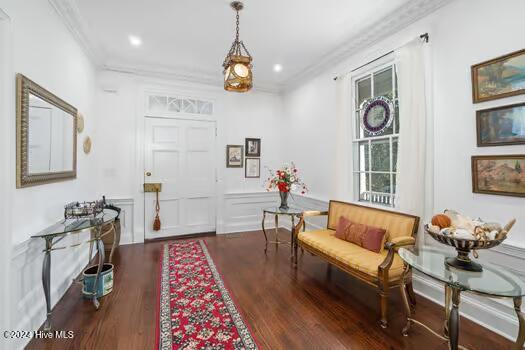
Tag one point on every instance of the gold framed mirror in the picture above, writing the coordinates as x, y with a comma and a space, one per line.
46, 136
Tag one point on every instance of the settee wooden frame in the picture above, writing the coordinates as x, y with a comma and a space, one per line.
382, 282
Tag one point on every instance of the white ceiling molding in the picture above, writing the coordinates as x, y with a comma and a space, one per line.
188, 74
70, 15
390, 24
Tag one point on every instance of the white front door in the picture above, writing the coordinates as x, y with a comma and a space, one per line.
180, 154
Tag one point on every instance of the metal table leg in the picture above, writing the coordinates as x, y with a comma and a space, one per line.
453, 321
101, 257
408, 309
113, 246
291, 236
518, 345
264, 232
46, 281
277, 229
263, 228
448, 300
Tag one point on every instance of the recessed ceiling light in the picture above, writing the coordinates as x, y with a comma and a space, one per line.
135, 40
277, 67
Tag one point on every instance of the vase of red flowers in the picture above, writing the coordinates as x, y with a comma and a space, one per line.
285, 180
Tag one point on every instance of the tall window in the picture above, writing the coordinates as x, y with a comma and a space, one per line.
375, 157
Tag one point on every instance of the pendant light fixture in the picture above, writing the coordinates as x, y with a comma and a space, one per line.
238, 63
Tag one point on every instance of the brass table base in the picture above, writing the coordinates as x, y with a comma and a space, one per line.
451, 324
276, 240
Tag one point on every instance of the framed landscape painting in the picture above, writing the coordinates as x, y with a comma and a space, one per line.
501, 77
501, 126
234, 156
500, 175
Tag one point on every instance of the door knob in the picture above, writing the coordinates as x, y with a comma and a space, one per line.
148, 173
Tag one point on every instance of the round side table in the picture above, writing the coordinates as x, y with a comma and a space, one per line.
293, 212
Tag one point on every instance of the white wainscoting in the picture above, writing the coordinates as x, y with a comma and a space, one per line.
27, 295
495, 314
128, 234
243, 211
28, 303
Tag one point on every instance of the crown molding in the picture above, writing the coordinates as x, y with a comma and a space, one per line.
180, 73
69, 13
392, 23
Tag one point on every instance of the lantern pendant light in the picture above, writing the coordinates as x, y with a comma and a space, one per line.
238, 63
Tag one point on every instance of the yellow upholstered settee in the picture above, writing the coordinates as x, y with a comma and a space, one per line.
382, 270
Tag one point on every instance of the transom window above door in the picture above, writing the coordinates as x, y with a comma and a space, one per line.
375, 153
173, 104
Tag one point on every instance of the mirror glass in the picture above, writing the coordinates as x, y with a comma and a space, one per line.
50, 138
46, 136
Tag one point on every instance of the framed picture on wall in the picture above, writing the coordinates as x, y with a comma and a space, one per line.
501, 125
253, 168
234, 156
500, 77
253, 147
501, 175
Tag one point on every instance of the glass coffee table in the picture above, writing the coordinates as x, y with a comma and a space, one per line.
293, 212
493, 281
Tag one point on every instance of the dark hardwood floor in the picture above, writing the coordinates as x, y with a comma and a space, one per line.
313, 307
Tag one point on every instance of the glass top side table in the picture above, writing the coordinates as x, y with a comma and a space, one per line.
493, 281
293, 212
55, 233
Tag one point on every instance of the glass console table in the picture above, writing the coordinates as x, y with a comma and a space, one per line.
493, 281
57, 232
293, 212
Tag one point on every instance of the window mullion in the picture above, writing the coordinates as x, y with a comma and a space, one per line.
370, 170
391, 171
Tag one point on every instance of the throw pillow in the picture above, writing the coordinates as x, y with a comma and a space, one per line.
373, 239
342, 227
355, 233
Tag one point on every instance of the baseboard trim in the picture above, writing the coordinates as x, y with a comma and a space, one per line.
175, 238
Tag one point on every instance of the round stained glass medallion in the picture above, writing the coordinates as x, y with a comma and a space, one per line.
376, 114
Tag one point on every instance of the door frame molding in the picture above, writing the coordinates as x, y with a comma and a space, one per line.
202, 93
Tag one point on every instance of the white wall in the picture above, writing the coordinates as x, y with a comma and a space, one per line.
459, 38
461, 34
5, 103
43, 50
118, 143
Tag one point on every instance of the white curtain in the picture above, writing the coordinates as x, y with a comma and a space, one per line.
343, 137
414, 181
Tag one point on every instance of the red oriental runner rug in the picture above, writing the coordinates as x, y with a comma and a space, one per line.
195, 309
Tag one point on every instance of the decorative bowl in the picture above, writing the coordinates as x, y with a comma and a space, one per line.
76, 210
463, 247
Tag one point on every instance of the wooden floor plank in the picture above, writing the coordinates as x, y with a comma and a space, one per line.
311, 307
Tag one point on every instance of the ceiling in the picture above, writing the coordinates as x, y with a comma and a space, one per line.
189, 38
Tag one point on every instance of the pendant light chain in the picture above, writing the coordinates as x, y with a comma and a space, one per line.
237, 28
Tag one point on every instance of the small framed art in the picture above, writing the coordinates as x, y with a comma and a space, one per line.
500, 175
253, 168
234, 156
253, 147
500, 77
501, 125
